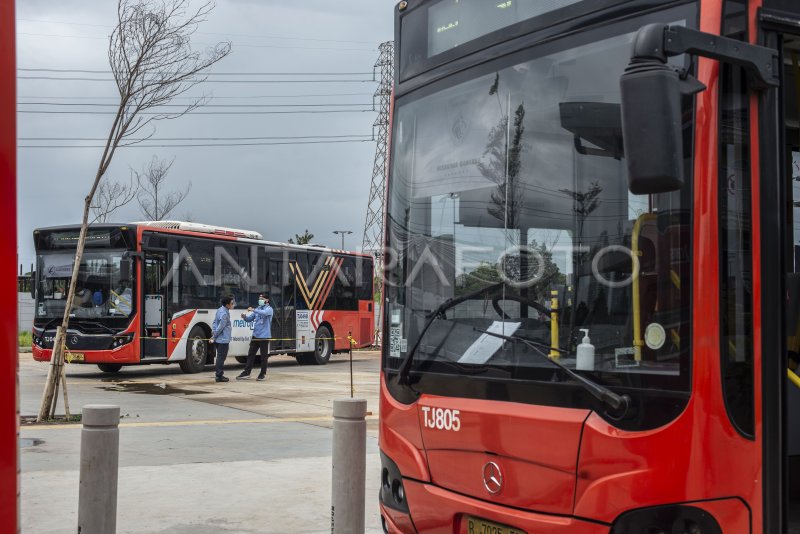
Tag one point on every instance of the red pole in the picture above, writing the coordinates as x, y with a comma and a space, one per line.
9, 406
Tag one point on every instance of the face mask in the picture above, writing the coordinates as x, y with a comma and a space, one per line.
261, 302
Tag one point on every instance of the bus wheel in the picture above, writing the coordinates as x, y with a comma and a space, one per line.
241, 359
109, 367
196, 351
306, 358
323, 346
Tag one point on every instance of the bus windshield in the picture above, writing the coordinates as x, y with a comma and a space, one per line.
104, 287
508, 185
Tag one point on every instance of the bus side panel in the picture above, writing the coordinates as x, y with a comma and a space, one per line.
400, 437
731, 514
178, 330
241, 334
619, 471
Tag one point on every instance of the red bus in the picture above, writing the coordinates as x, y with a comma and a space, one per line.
9, 398
148, 291
593, 268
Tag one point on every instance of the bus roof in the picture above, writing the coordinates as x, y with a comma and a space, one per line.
206, 230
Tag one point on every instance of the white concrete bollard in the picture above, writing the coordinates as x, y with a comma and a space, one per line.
349, 466
97, 500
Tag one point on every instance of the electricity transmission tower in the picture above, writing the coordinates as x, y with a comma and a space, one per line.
373, 227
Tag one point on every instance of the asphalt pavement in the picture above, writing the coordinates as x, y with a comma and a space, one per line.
198, 456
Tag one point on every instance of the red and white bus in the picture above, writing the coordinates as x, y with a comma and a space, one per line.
593, 268
148, 292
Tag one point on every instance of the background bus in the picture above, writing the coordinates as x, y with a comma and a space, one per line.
147, 293
574, 348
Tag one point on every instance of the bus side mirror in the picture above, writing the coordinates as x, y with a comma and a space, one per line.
652, 125
652, 90
33, 283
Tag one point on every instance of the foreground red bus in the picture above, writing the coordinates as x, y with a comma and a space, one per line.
147, 293
593, 268
9, 398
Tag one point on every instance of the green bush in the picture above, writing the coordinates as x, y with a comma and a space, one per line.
25, 339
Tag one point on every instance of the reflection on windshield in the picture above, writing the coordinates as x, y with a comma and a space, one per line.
517, 176
104, 286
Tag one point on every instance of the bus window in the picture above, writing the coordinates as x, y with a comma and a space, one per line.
364, 282
196, 275
736, 282
231, 271
343, 296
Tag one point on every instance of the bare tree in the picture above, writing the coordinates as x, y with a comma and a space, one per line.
152, 62
154, 203
110, 196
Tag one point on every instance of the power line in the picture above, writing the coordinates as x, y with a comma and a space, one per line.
195, 138
89, 71
84, 79
211, 97
308, 111
202, 105
240, 45
204, 144
257, 36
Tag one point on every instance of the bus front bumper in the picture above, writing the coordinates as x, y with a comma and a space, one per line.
437, 510
125, 354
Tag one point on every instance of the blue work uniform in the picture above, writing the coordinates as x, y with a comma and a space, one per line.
262, 332
221, 327
262, 328
221, 334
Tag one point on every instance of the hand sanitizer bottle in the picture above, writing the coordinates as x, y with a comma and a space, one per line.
585, 355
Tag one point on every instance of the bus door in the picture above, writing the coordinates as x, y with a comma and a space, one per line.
154, 306
780, 250
790, 159
282, 300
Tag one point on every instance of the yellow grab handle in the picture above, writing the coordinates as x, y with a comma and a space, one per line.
793, 377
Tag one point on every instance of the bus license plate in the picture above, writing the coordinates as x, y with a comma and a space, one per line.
75, 357
481, 526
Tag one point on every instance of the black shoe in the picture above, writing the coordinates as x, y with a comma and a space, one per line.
222, 379
243, 377
261, 377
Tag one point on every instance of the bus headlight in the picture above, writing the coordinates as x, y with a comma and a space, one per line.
392, 493
121, 339
666, 520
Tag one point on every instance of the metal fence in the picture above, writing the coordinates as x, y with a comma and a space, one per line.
25, 311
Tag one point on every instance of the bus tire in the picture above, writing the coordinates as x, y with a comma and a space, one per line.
241, 359
323, 346
109, 367
306, 358
196, 351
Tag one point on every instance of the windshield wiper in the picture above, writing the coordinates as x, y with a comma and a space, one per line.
619, 403
48, 323
101, 325
405, 366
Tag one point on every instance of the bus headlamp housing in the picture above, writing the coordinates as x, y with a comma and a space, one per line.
673, 519
121, 339
392, 493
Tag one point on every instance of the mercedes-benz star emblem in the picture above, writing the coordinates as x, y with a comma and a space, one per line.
492, 478
74, 340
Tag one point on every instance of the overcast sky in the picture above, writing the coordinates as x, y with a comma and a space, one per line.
278, 190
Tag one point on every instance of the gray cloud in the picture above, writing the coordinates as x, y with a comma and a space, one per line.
277, 190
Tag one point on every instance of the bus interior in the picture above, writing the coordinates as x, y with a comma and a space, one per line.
791, 111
